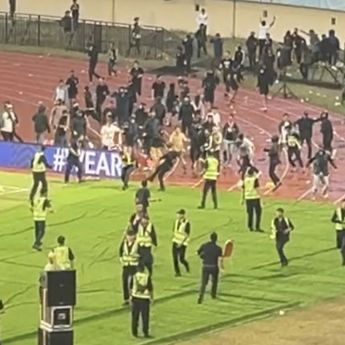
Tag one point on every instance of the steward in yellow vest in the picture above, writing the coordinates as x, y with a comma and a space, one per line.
39, 166
146, 238
40, 207
339, 220
129, 165
181, 235
64, 256
251, 197
210, 175
142, 294
129, 257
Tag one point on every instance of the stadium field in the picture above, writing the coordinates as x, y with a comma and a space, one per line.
93, 216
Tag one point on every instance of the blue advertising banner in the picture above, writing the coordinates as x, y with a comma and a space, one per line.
94, 162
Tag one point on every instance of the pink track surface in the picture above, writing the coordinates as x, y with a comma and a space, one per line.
28, 79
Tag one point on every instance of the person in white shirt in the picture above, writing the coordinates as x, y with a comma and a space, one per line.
61, 92
216, 117
108, 132
7, 122
202, 18
262, 35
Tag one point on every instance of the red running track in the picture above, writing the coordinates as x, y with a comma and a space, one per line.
28, 79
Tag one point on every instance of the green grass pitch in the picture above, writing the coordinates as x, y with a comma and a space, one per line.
92, 216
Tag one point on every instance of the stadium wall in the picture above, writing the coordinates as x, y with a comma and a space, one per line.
230, 18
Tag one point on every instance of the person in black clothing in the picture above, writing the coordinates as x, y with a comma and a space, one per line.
135, 39
73, 160
158, 88
180, 60
305, 128
12, 8
122, 105
141, 117
75, 14
326, 131
334, 48
274, 160
188, 51
137, 74
39, 165
93, 60
159, 109
252, 44
112, 59
212, 257
41, 124
66, 24
142, 196
217, 42
338, 219
102, 91
230, 135
72, 83
171, 100
201, 40
78, 123
297, 43
281, 229
186, 115
263, 85
294, 148
60, 137
166, 163
209, 85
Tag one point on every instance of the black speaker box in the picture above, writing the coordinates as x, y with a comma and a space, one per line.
55, 338
61, 288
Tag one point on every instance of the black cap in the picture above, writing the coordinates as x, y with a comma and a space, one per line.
181, 212
61, 240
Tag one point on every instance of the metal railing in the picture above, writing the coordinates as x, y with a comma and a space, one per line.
47, 31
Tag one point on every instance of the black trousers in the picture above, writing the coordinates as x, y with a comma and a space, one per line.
327, 143
125, 175
140, 308
135, 43
341, 243
206, 273
272, 172
38, 177
252, 58
7, 136
294, 155
146, 258
69, 167
92, 70
160, 171
281, 241
261, 47
179, 255
210, 184
254, 207
309, 145
201, 46
127, 275
111, 67
40, 227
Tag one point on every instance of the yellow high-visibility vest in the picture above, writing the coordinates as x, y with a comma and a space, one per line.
130, 257
36, 165
293, 142
127, 159
40, 214
339, 226
211, 172
250, 191
62, 258
180, 236
144, 236
140, 283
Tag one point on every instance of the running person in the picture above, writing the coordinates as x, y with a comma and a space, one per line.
320, 171
274, 160
112, 59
